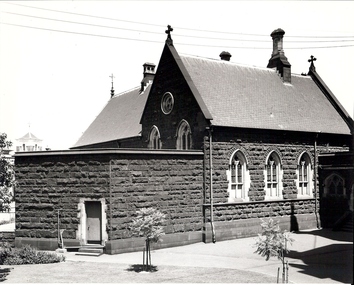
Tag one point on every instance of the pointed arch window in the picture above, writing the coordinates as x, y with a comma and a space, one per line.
184, 136
238, 177
154, 138
273, 177
334, 185
304, 176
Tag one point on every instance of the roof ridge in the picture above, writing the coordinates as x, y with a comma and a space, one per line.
126, 91
225, 62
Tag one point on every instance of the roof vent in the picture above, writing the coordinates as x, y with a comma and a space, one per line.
149, 74
225, 55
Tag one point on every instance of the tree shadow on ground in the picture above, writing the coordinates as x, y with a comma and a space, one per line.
328, 262
329, 233
142, 268
3, 273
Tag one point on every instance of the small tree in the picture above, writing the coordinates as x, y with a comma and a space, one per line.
148, 224
7, 175
273, 242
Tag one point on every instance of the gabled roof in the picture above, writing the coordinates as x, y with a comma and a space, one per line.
330, 96
252, 97
29, 137
230, 95
119, 119
189, 81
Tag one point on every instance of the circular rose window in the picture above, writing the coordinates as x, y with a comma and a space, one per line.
167, 103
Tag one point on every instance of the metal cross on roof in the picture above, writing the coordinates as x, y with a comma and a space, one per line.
168, 32
312, 59
112, 90
112, 76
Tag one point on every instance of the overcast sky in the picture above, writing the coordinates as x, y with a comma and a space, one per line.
56, 57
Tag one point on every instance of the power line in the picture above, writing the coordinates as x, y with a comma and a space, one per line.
80, 23
185, 44
189, 36
78, 33
85, 15
156, 25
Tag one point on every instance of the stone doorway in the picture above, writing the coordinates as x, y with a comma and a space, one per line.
93, 220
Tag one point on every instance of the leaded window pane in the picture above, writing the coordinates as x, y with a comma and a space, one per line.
233, 172
268, 173
239, 172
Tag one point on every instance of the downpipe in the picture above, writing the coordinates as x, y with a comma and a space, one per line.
211, 185
315, 174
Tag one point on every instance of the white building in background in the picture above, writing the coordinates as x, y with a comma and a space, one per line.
29, 142
7, 219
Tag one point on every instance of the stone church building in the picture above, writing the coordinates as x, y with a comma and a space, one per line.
213, 144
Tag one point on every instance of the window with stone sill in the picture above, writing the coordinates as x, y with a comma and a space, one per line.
154, 138
304, 174
334, 185
238, 178
273, 177
184, 136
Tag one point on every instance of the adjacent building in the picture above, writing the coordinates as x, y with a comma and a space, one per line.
29, 142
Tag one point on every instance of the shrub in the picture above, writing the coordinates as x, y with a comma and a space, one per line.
48, 257
13, 260
27, 255
5, 251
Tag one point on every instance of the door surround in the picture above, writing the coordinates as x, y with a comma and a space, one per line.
81, 233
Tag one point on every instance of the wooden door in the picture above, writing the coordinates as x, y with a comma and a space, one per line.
93, 221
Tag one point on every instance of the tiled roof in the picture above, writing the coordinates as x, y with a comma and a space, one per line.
119, 119
232, 95
252, 97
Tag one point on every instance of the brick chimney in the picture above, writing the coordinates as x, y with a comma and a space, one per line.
149, 74
225, 55
278, 60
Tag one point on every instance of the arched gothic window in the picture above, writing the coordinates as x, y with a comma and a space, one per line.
304, 176
184, 136
154, 138
334, 185
238, 177
273, 177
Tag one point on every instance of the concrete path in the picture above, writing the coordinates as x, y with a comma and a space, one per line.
316, 256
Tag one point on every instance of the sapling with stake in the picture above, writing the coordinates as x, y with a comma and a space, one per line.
274, 242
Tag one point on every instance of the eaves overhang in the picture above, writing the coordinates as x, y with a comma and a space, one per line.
332, 98
135, 151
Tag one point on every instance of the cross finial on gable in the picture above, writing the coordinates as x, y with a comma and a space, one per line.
312, 66
112, 90
168, 32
